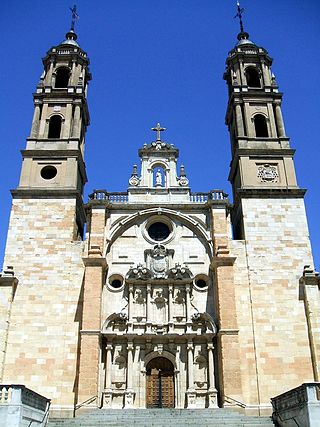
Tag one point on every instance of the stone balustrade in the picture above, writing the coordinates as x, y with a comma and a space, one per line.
122, 197
19, 406
298, 407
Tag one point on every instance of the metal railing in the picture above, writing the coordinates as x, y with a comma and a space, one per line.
86, 402
236, 402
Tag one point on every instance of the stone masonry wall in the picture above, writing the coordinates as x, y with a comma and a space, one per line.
42, 350
275, 354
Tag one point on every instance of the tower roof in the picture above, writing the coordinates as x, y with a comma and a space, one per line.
71, 38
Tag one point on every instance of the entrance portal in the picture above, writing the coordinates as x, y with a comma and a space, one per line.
160, 383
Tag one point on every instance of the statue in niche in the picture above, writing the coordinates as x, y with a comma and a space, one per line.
158, 178
179, 299
139, 299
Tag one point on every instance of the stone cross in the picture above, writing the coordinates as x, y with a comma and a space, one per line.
158, 129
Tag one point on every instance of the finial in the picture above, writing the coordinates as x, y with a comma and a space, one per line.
71, 36
158, 129
242, 35
74, 17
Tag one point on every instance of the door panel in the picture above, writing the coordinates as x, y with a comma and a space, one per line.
160, 383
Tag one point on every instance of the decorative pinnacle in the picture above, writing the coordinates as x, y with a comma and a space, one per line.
158, 129
74, 17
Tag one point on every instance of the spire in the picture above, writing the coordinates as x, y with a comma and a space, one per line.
243, 36
71, 36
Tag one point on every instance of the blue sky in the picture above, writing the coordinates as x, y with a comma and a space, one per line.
162, 60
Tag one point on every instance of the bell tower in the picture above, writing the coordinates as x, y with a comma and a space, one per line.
270, 229
53, 164
44, 246
262, 159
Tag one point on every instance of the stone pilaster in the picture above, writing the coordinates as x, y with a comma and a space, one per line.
91, 323
8, 285
310, 292
228, 349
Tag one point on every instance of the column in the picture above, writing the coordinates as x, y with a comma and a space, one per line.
66, 131
212, 392
130, 301
239, 120
129, 395
191, 394
48, 80
170, 305
43, 121
266, 74
72, 81
279, 121
35, 122
108, 377
108, 383
76, 128
190, 365
188, 305
242, 76
148, 309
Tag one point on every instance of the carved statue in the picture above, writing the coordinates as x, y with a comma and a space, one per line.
158, 178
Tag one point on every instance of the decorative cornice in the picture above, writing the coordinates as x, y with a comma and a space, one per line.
269, 193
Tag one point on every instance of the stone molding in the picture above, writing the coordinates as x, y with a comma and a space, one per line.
269, 193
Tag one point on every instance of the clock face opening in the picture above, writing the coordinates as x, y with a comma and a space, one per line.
159, 231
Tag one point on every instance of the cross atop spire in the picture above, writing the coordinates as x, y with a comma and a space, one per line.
158, 129
74, 17
240, 11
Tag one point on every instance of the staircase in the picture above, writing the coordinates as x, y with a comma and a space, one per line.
162, 418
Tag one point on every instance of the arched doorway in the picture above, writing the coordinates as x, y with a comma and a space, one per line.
160, 383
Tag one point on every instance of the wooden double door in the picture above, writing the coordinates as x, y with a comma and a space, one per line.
160, 383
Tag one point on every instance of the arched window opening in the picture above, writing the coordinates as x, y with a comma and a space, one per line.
55, 127
253, 79
159, 177
62, 77
260, 125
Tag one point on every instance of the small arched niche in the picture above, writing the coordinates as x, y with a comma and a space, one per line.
62, 78
55, 124
260, 126
159, 179
253, 78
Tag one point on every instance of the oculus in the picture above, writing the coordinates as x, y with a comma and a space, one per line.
48, 172
159, 231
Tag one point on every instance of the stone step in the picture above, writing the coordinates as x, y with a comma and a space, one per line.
162, 418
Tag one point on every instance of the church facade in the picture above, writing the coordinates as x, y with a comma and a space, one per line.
159, 297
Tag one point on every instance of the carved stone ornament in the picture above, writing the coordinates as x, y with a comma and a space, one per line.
268, 173
183, 181
158, 260
179, 273
139, 272
134, 180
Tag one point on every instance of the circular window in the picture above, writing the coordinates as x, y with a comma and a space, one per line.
115, 282
48, 172
201, 282
159, 231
